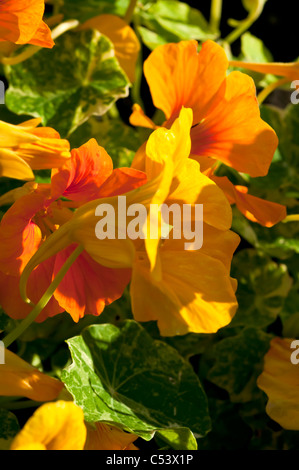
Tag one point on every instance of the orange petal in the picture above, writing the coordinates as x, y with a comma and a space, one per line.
80, 178
39, 281
105, 437
20, 236
42, 36
19, 20
234, 132
280, 381
139, 119
258, 210
18, 378
122, 36
180, 76
121, 181
88, 287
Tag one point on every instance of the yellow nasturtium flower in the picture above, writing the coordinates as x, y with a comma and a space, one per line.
53, 426
18, 378
60, 426
184, 290
26, 147
280, 381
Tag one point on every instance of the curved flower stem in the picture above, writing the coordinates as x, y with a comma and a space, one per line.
130, 11
11, 337
291, 218
215, 15
31, 50
266, 92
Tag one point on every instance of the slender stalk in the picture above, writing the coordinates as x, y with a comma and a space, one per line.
291, 218
215, 15
11, 337
31, 50
129, 13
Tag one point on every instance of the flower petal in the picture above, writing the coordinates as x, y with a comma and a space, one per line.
57, 426
234, 133
280, 381
88, 287
257, 210
18, 378
180, 76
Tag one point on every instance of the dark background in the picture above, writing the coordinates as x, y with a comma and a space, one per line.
278, 25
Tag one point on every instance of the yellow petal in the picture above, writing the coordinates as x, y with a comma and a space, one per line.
13, 166
56, 426
197, 296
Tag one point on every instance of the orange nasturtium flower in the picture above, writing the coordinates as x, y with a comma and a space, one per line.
26, 147
18, 378
21, 22
61, 426
280, 381
87, 286
123, 38
183, 289
226, 127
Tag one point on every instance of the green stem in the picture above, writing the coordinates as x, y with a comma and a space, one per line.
11, 337
31, 50
129, 13
215, 15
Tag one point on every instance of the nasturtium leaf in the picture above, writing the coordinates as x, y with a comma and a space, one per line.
121, 375
172, 21
254, 50
65, 85
237, 361
263, 286
8, 429
83, 10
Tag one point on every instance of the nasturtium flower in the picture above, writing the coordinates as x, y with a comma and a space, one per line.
61, 426
53, 426
123, 38
226, 127
21, 23
226, 119
182, 289
26, 147
280, 381
87, 286
20, 379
